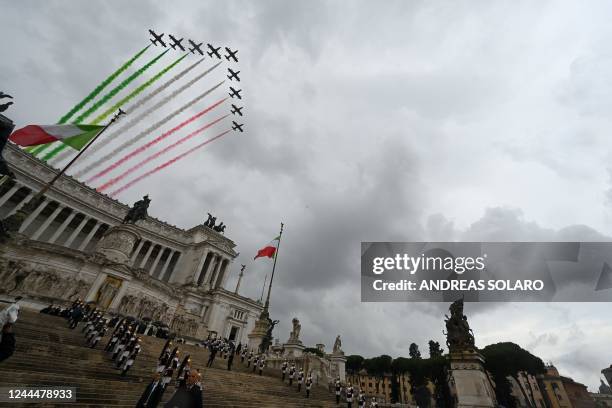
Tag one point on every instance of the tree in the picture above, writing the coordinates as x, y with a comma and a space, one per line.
414, 351
434, 349
378, 367
503, 360
354, 363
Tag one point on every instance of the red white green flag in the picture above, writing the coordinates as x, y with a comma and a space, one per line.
75, 136
269, 250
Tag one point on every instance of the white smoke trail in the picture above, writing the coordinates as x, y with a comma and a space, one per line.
133, 140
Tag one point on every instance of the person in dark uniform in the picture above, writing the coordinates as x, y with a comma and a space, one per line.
338, 388
308, 384
300, 379
230, 360
189, 396
7, 344
349, 395
152, 395
284, 369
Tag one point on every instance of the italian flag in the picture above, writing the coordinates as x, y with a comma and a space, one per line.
75, 136
269, 250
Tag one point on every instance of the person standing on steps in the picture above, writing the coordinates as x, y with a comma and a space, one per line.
262, 364
230, 360
284, 369
361, 399
338, 387
308, 385
291, 374
152, 395
189, 396
211, 357
373, 403
349, 396
300, 379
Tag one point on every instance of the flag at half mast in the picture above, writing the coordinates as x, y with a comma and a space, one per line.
269, 250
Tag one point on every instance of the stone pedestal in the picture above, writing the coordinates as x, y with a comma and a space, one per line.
294, 349
338, 366
258, 334
118, 243
469, 381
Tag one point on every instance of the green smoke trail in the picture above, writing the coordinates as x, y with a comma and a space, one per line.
135, 92
105, 99
92, 94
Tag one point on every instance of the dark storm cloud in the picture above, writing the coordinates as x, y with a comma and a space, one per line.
362, 122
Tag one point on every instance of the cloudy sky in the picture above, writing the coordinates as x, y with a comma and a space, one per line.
399, 121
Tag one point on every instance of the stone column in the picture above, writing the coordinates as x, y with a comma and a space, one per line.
166, 264
147, 255
26, 223
62, 227
22, 203
117, 300
77, 231
48, 222
157, 258
137, 251
93, 291
215, 273
209, 270
198, 270
93, 231
7, 196
178, 259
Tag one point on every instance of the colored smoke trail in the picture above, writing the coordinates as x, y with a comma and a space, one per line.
130, 109
158, 139
154, 156
147, 131
100, 87
105, 99
124, 128
135, 92
164, 165
92, 95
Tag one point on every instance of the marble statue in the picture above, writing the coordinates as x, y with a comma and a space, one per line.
294, 336
337, 345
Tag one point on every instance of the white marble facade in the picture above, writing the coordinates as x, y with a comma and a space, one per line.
174, 275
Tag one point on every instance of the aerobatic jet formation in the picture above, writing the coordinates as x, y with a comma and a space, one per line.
231, 54
237, 110
157, 39
235, 93
176, 43
233, 75
195, 47
213, 51
236, 126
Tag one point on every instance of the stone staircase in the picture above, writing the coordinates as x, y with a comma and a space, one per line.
48, 353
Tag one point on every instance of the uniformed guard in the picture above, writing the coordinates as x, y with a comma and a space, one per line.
308, 384
361, 399
291, 374
284, 369
338, 387
262, 364
300, 379
349, 395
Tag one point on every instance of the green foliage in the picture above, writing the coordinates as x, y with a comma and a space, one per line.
414, 351
434, 349
508, 359
378, 366
354, 363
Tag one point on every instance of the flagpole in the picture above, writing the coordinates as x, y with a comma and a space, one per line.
267, 305
13, 222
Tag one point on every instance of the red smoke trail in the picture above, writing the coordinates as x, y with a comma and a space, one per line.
154, 141
120, 177
166, 164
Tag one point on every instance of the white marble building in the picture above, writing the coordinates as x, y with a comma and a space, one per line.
170, 274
